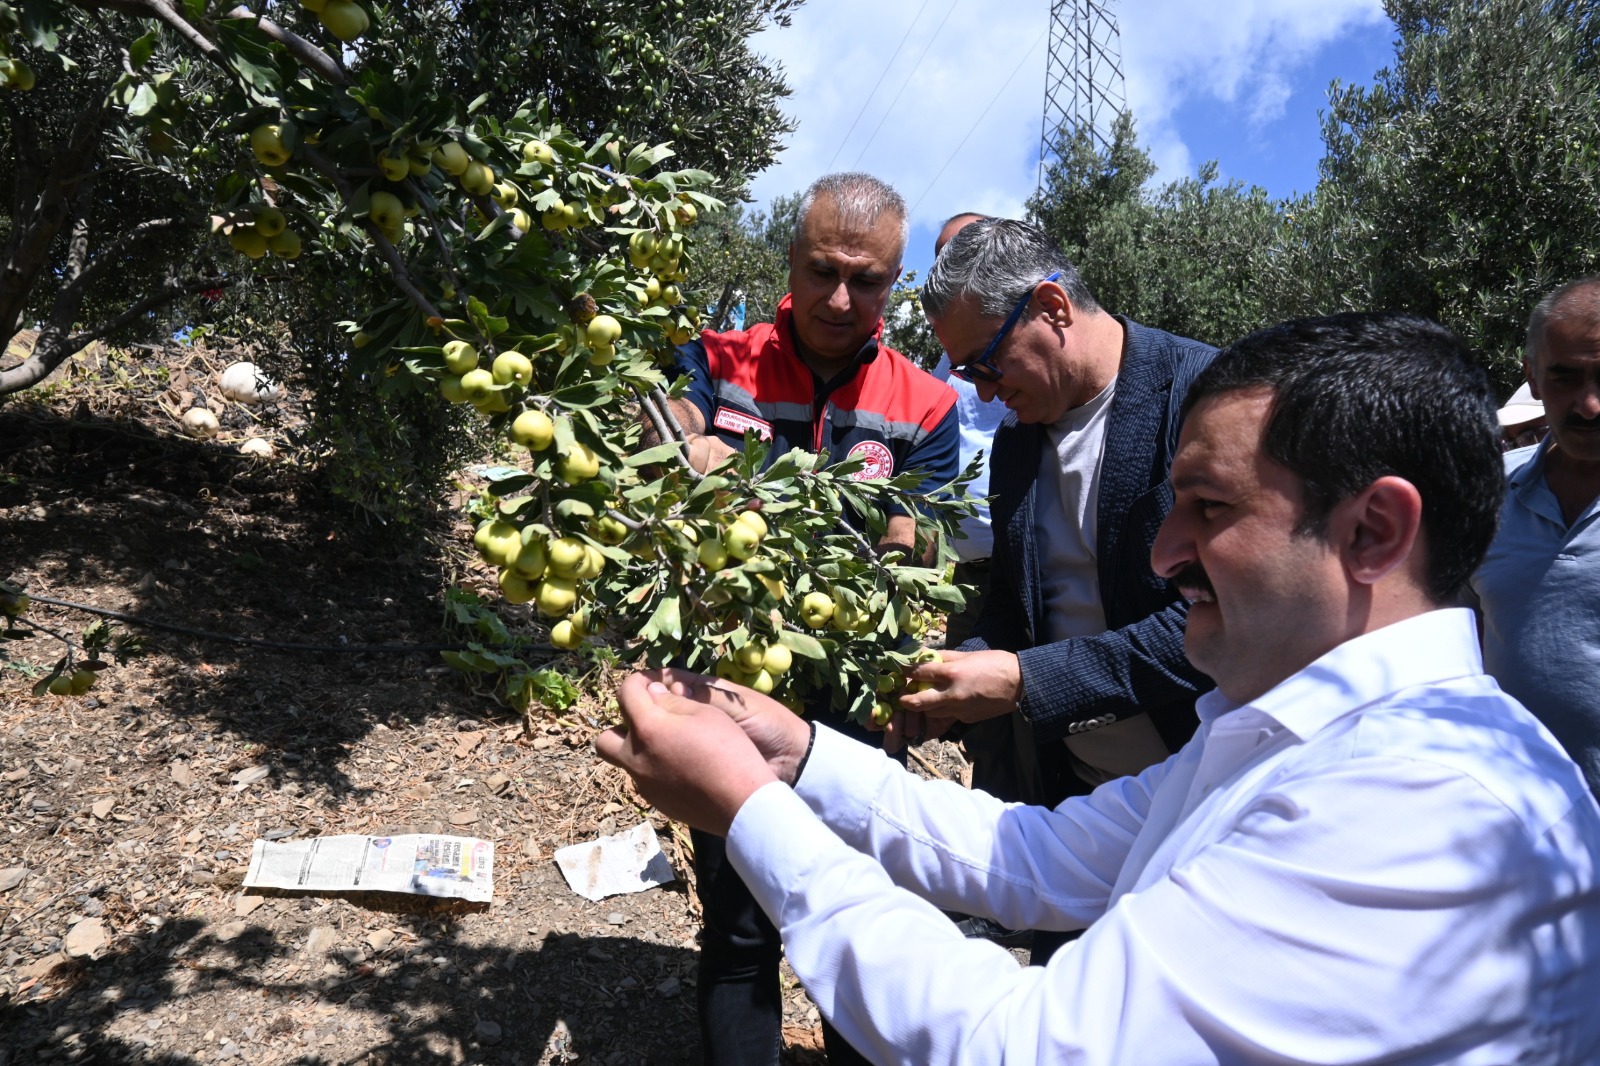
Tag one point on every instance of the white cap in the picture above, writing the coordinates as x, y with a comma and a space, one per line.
1522, 407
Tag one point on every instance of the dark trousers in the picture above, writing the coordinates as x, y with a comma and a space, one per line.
741, 1003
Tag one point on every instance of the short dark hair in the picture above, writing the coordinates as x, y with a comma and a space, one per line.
1357, 397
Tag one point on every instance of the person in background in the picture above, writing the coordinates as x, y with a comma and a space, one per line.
819, 379
1367, 853
1538, 590
1522, 419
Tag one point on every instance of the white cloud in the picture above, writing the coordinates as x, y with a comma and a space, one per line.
1241, 55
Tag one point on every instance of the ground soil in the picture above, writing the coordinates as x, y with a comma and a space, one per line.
128, 814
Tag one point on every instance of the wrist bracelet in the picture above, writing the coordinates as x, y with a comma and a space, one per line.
800, 767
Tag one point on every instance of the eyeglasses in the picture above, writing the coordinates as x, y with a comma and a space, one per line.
983, 368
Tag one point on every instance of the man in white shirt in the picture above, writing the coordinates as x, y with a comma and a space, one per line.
1368, 852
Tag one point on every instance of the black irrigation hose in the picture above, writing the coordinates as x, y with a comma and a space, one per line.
253, 642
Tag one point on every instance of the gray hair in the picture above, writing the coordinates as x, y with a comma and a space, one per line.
862, 199
994, 262
1575, 300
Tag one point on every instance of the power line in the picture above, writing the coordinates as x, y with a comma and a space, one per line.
881, 75
890, 109
995, 99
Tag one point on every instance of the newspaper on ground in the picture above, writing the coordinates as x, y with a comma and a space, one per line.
614, 865
422, 864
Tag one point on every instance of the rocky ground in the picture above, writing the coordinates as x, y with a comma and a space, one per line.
127, 814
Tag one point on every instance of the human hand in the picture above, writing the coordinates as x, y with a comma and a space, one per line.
908, 727
968, 686
706, 453
689, 759
781, 736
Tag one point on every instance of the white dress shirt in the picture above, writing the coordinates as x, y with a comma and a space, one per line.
1383, 859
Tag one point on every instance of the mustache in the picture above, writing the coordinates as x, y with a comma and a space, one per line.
1192, 576
1574, 422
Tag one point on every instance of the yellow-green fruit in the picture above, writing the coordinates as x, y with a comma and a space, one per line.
610, 531
713, 556
501, 542
246, 240
495, 403
754, 520
386, 211
751, 656
521, 219
360, 339
314, 6
269, 221
603, 329
285, 245
593, 563
533, 430
450, 388
452, 158
726, 668
566, 556
478, 178
460, 357
573, 216
14, 604
847, 618
267, 144
762, 682
579, 464
687, 213
418, 162
506, 195
565, 635
556, 596
741, 540
538, 152
516, 588
531, 561
887, 683
774, 585
60, 686
925, 655
652, 290
882, 711
777, 660
476, 385
394, 167
816, 610
21, 75
602, 355
512, 366
910, 622
81, 681
554, 218
580, 621
344, 19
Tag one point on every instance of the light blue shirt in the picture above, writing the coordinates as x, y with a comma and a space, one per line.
978, 422
1538, 591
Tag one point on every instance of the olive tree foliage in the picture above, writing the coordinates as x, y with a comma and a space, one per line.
1460, 184
745, 252
501, 262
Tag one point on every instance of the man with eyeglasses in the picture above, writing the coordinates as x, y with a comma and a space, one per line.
1079, 640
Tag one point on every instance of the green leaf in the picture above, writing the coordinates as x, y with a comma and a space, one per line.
803, 644
144, 101
140, 51
667, 620
650, 456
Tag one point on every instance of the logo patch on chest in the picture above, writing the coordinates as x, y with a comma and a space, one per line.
879, 460
734, 421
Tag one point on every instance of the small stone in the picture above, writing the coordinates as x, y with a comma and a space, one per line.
244, 906
102, 808
18, 774
277, 834
322, 938
531, 849
182, 775
496, 782
617, 918
86, 938
669, 988
11, 877
71, 765
351, 954
487, 1031
231, 931
249, 776
379, 940
464, 816
597, 955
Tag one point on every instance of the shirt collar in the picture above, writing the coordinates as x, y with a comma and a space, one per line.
1434, 646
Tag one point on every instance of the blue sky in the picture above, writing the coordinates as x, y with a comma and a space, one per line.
1242, 83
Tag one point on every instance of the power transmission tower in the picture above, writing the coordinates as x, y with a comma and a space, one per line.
1083, 86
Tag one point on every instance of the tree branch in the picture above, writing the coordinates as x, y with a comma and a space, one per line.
303, 50
104, 257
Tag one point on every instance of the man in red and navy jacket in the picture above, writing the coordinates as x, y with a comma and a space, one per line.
818, 379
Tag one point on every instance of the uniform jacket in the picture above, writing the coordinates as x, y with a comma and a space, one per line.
1137, 664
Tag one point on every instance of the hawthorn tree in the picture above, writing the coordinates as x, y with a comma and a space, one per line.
531, 272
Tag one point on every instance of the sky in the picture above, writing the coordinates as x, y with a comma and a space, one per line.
946, 97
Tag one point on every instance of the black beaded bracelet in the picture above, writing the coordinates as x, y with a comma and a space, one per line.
800, 768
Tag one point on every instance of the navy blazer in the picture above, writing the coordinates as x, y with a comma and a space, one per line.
1137, 664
